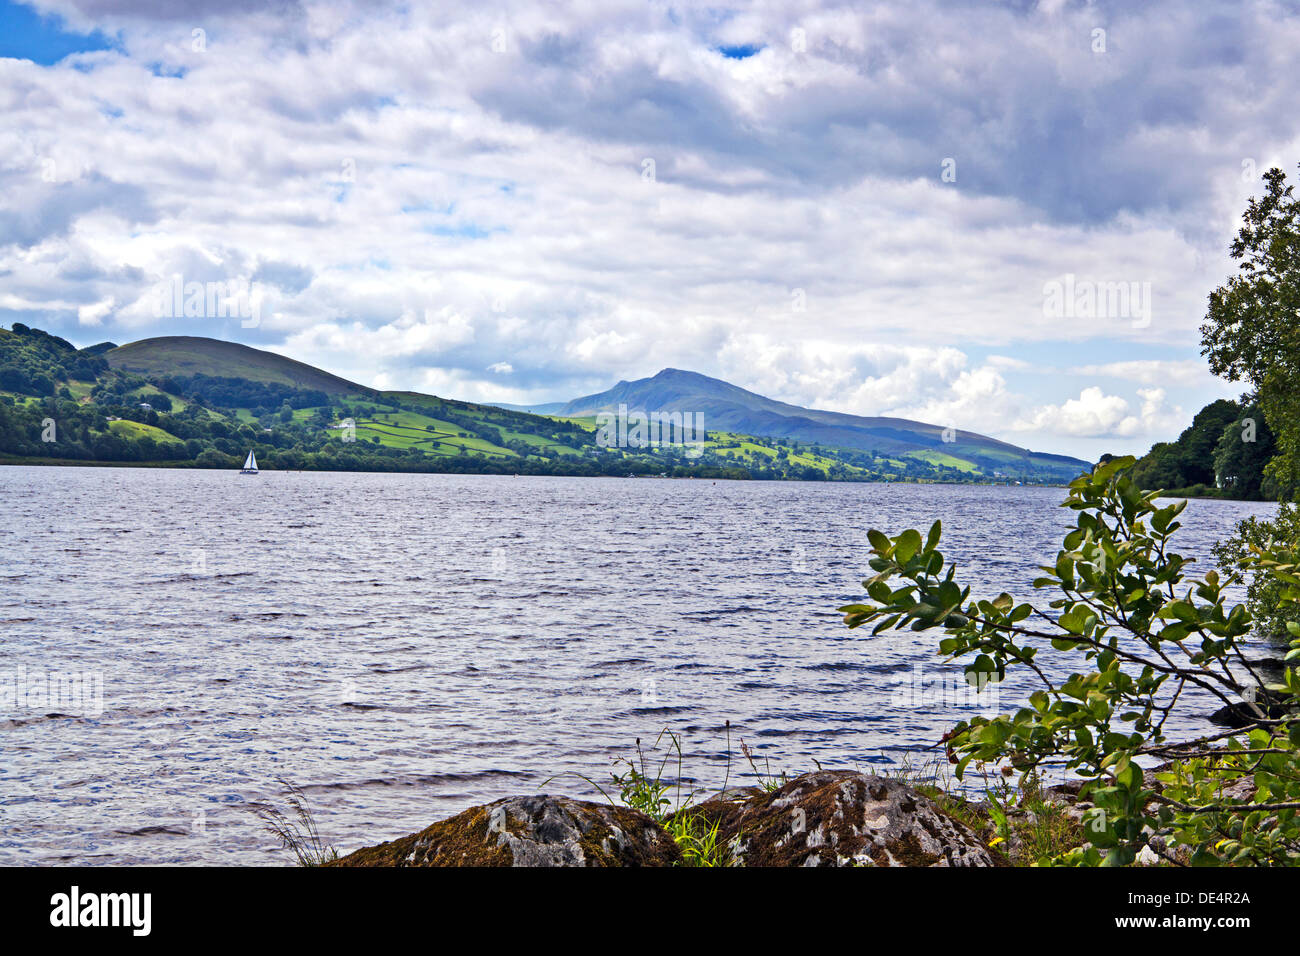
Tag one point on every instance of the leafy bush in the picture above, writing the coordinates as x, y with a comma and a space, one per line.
1142, 632
1263, 590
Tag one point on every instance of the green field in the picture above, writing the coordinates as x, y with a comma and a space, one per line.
140, 430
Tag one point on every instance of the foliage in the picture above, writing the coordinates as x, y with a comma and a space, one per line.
1212, 446
32, 362
1242, 454
1250, 333
1144, 632
1028, 824
1263, 590
241, 392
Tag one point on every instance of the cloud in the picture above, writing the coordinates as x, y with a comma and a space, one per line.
284, 275
460, 198
1152, 371
1094, 414
36, 211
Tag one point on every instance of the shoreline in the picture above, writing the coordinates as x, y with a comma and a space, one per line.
189, 466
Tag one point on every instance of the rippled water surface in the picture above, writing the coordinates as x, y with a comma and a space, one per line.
405, 646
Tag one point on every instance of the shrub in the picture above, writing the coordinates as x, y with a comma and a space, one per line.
1142, 632
1263, 591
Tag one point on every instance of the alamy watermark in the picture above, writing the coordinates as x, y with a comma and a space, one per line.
347, 429
622, 429
73, 693
236, 299
918, 690
1072, 298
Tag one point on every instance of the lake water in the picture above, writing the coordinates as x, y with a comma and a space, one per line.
405, 646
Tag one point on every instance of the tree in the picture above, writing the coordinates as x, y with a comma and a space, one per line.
1200, 439
1251, 332
1242, 453
211, 458
1189, 460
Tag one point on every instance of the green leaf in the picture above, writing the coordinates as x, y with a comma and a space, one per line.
932, 539
909, 543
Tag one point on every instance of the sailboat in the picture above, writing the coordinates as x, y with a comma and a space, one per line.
250, 465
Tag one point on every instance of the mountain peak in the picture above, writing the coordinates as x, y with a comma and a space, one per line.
730, 408
681, 373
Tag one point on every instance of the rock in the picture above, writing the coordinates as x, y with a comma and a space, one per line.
1245, 713
530, 831
843, 818
734, 794
1161, 847
1147, 857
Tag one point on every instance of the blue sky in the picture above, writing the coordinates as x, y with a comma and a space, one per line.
43, 38
874, 209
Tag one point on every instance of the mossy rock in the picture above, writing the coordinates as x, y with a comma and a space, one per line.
843, 818
530, 831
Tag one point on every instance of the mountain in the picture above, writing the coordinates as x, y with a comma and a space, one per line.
187, 401
170, 356
730, 408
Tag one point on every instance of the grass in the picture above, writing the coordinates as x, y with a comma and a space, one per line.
695, 837
751, 452
766, 779
296, 830
1017, 817
401, 429
642, 786
187, 355
948, 461
135, 430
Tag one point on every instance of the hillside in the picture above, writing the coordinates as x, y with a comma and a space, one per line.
184, 355
186, 401
731, 408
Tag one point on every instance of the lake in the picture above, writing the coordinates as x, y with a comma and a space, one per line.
405, 646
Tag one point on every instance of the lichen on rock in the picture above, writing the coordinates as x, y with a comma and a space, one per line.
844, 818
537, 830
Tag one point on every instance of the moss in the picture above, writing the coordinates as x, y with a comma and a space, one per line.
483, 836
905, 851
462, 840
817, 819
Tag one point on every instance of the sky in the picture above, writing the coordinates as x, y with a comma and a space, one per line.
1002, 217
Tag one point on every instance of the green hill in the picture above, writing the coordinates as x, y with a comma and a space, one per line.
184, 355
186, 401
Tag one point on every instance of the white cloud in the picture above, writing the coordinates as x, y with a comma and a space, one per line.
426, 212
94, 313
1094, 414
1152, 372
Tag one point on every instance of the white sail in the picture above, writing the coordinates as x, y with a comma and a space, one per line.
250, 463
